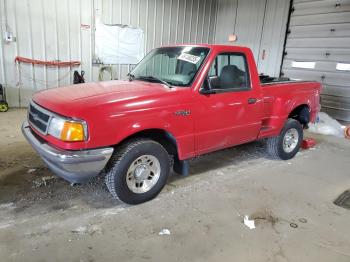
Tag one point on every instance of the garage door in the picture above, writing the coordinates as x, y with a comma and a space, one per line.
318, 48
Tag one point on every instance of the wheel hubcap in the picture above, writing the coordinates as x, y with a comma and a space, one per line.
290, 140
143, 174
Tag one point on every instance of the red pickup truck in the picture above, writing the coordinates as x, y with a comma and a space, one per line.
179, 102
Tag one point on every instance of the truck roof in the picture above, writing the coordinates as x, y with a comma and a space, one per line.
211, 46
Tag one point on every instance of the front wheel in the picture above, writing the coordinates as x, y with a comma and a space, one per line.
138, 171
287, 144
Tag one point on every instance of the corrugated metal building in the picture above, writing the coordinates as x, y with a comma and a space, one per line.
64, 30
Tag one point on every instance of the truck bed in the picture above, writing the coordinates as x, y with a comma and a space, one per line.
269, 80
283, 96
266, 79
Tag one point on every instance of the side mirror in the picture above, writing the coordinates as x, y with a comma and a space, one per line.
206, 87
206, 91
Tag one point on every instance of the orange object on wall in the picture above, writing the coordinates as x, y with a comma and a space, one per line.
46, 63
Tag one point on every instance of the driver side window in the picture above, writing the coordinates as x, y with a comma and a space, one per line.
229, 72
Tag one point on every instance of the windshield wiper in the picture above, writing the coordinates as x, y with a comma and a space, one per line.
131, 76
154, 78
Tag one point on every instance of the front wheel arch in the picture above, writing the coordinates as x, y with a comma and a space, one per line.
163, 137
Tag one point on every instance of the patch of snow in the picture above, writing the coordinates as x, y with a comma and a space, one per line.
80, 230
7, 205
326, 125
164, 231
249, 223
6, 224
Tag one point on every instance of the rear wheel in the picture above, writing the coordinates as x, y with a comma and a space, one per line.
138, 171
287, 144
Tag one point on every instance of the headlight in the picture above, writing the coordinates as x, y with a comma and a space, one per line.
67, 130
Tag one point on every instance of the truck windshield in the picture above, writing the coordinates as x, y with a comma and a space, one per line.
172, 65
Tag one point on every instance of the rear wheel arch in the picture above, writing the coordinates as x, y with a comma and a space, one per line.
301, 113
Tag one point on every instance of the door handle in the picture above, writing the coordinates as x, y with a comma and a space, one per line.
252, 100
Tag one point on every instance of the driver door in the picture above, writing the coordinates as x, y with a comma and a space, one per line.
231, 115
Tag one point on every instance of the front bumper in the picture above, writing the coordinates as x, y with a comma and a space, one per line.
74, 166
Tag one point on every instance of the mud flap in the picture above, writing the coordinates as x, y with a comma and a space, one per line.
182, 167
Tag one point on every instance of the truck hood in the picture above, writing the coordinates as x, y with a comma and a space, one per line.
72, 101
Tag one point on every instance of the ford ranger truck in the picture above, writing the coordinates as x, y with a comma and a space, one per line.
179, 102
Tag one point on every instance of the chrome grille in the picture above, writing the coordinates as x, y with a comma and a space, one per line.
38, 117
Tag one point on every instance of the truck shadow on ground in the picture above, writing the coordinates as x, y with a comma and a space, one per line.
30, 187
234, 156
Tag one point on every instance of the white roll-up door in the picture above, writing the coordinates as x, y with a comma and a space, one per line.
318, 48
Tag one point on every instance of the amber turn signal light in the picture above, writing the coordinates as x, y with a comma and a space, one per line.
72, 132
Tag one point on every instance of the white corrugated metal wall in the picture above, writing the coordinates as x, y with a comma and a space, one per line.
163, 21
45, 30
259, 24
320, 33
63, 30
273, 36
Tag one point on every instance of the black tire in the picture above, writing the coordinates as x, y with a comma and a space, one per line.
304, 116
275, 144
123, 157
